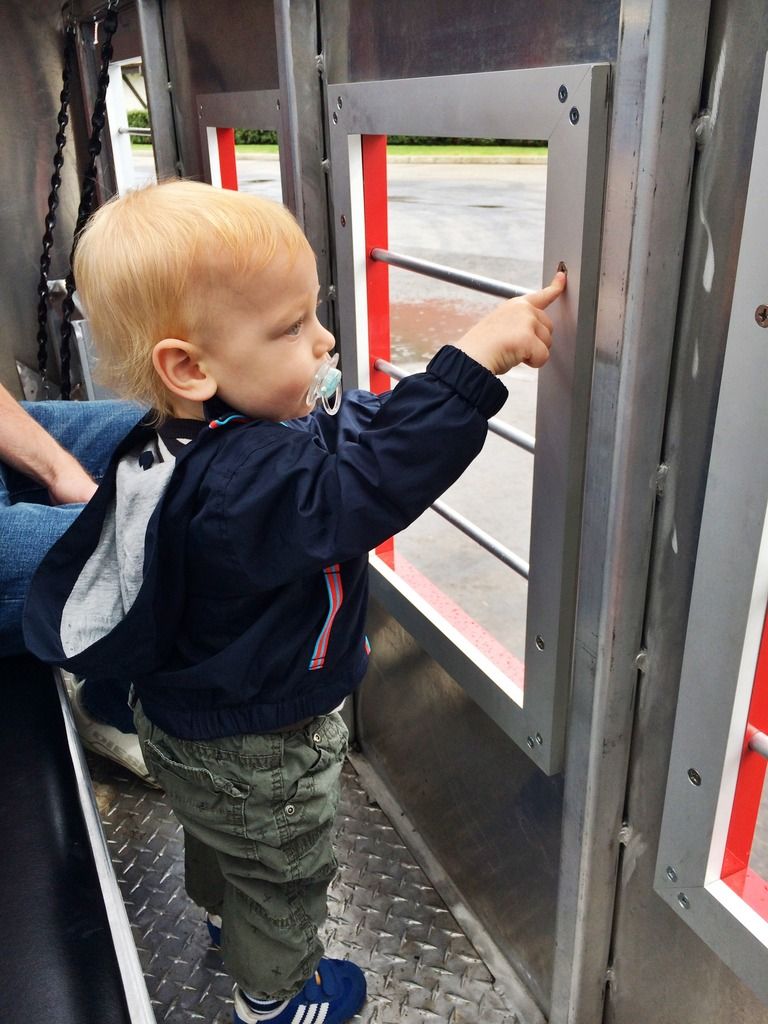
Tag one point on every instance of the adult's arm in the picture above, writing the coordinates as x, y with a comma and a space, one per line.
26, 446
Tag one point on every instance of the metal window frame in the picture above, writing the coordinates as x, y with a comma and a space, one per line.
725, 624
259, 108
567, 106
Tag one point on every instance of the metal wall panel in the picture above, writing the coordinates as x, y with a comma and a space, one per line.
370, 39
682, 981
211, 50
491, 822
31, 43
489, 817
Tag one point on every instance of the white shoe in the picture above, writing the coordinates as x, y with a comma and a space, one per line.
121, 747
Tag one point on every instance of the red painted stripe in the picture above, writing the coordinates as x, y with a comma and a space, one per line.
749, 785
375, 197
225, 139
374, 152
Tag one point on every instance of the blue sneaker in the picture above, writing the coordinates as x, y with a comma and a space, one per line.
332, 995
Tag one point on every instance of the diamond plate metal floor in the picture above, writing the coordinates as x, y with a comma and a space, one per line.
383, 914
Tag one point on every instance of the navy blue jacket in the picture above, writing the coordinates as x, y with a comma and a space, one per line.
252, 608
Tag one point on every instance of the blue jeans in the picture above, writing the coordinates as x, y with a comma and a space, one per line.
30, 525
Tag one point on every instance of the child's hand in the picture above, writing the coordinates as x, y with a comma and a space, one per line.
518, 331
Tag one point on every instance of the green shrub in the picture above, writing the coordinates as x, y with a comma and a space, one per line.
254, 137
139, 119
431, 140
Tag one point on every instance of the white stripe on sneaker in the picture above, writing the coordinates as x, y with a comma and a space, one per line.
313, 1013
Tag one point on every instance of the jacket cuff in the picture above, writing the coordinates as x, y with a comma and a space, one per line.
469, 379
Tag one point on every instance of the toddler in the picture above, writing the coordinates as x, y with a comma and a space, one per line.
222, 564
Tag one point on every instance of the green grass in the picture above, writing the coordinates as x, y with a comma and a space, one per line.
255, 148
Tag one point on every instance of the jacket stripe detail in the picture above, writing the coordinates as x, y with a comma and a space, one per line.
332, 574
223, 421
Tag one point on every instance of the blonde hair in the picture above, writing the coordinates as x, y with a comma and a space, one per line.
142, 257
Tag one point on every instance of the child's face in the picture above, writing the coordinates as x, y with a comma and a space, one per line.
264, 342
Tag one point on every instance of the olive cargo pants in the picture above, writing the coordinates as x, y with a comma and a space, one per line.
257, 813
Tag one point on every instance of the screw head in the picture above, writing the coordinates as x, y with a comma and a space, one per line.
343, 220
694, 777
335, 117
671, 874
683, 900
529, 742
562, 94
539, 739
540, 642
761, 316
339, 102
573, 115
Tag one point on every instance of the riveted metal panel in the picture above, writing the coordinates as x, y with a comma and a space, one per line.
368, 40
514, 105
212, 50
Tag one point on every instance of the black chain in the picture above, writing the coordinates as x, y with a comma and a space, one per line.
88, 192
53, 202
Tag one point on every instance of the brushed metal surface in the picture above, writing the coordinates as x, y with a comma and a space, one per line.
489, 816
211, 53
383, 913
657, 89
682, 981
518, 105
365, 39
31, 46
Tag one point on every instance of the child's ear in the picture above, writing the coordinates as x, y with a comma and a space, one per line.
178, 365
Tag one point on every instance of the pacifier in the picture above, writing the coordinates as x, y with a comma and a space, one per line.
326, 386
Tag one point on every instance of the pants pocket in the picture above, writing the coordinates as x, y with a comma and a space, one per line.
312, 768
205, 802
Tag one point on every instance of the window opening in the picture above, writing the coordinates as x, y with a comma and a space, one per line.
239, 163
527, 104
468, 555
130, 128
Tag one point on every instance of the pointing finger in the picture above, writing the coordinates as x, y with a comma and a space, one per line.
545, 296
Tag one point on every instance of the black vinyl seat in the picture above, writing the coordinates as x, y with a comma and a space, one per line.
57, 958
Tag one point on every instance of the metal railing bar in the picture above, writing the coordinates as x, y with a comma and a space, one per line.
145, 132
476, 282
496, 426
485, 540
759, 743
